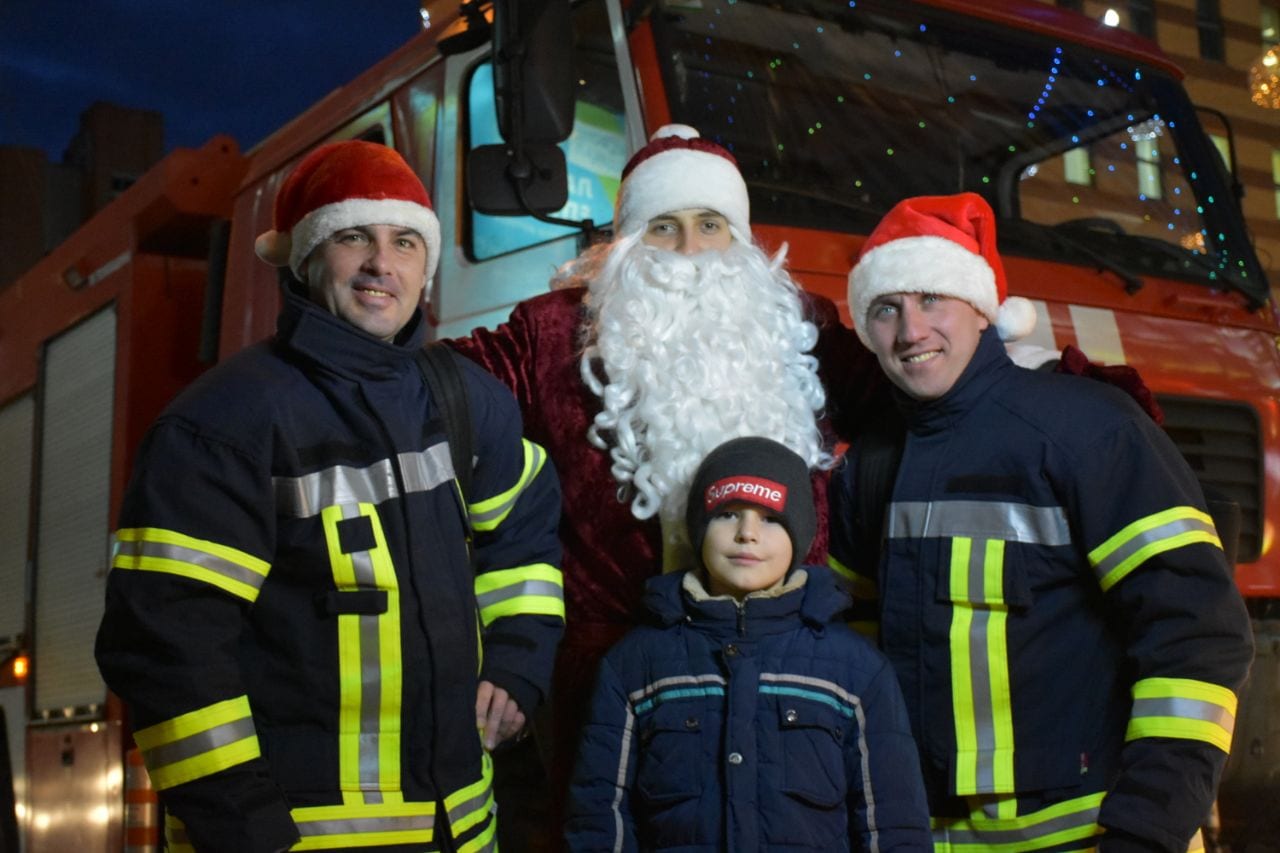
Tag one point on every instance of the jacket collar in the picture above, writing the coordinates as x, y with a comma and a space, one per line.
989, 364
311, 331
810, 594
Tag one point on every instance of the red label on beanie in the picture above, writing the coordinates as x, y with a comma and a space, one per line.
753, 490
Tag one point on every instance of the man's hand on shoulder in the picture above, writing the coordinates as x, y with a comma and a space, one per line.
497, 715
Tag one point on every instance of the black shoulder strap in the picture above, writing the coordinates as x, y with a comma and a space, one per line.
444, 381
879, 454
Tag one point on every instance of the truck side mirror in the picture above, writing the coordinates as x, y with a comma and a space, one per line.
534, 100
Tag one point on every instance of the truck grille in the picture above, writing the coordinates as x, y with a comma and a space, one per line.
1220, 441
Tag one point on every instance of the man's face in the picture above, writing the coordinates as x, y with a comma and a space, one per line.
924, 341
688, 231
372, 276
746, 549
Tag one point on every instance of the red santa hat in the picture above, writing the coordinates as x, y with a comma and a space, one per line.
344, 185
944, 245
679, 170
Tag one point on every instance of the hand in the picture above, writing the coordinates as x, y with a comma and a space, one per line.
498, 717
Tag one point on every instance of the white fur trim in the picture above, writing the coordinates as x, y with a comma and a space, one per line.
320, 223
1016, 318
921, 264
680, 179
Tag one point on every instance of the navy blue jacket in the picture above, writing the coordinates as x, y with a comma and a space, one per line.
764, 726
1059, 611
292, 613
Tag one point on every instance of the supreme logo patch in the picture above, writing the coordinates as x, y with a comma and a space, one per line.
754, 490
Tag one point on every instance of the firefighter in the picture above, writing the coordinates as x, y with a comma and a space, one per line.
1052, 593
318, 635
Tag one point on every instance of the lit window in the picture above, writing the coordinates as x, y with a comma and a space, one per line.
1076, 166
1224, 149
1275, 176
1148, 153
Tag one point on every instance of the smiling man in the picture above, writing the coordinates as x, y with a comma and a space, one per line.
1051, 590
318, 640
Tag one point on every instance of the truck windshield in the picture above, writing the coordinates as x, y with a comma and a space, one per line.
835, 111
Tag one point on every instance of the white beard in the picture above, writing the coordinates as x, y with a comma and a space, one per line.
696, 351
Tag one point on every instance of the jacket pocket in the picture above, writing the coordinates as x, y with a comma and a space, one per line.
671, 747
983, 572
812, 738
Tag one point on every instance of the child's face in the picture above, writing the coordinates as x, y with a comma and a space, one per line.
746, 549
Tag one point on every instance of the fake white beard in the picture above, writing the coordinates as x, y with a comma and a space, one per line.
696, 351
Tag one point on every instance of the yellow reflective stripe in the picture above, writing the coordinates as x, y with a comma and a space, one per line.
470, 805
1183, 708
1197, 843
980, 693
370, 665
486, 515
1061, 823
1114, 559
861, 587
199, 743
154, 549
534, 589
961, 675
363, 825
175, 836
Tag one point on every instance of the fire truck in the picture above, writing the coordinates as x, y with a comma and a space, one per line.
1118, 217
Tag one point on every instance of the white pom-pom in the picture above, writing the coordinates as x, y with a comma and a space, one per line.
683, 131
1016, 319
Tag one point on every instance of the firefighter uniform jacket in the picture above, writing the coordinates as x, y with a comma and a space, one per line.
293, 615
753, 726
1058, 608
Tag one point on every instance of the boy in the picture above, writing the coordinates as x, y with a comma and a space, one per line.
742, 717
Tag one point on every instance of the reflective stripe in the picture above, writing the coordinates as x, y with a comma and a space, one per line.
1164, 531
370, 666
486, 515
1183, 708
363, 825
1197, 843
154, 549
847, 701
306, 496
1033, 525
471, 805
620, 780
1061, 823
675, 687
199, 743
535, 589
980, 695
861, 587
175, 836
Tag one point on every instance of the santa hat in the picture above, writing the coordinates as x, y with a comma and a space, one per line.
944, 245
345, 185
679, 170
760, 472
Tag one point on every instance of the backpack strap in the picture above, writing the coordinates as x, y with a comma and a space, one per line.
439, 368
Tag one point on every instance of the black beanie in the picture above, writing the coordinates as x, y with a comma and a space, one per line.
761, 472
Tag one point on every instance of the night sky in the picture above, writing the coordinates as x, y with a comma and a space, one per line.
242, 67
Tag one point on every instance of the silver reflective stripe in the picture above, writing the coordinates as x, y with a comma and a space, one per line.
370, 677
620, 781
1147, 537
363, 825
203, 559
200, 743
305, 496
1087, 816
426, 469
467, 807
536, 459
983, 712
674, 681
1035, 525
546, 589
1187, 709
868, 788
810, 681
